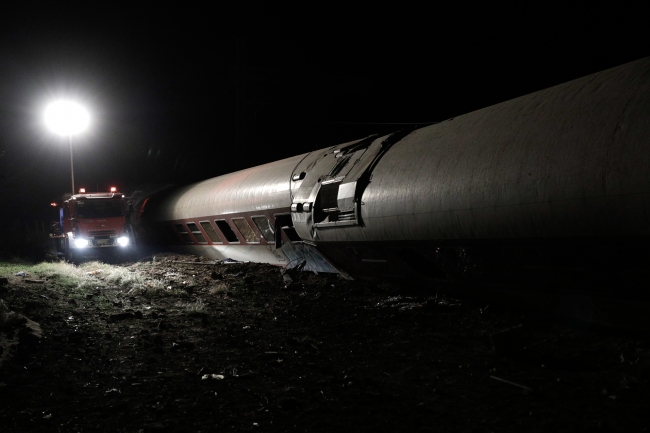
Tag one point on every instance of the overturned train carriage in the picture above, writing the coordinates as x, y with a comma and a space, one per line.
551, 186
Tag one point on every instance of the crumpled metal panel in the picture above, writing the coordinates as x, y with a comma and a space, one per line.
571, 160
314, 261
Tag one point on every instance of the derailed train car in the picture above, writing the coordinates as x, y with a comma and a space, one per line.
551, 186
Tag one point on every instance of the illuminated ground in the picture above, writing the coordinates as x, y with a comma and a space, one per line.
172, 343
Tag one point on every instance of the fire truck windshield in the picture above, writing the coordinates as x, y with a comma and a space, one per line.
99, 208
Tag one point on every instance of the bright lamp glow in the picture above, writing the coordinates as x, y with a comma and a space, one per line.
80, 243
123, 241
66, 117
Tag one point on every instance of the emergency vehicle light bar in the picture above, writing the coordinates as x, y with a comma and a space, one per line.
82, 190
113, 189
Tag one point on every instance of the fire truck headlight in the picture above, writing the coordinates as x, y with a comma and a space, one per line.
123, 241
81, 243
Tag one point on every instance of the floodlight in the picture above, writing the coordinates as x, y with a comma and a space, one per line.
66, 117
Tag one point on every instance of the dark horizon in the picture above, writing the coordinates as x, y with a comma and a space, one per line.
181, 97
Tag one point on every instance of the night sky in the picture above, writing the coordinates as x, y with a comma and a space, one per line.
186, 93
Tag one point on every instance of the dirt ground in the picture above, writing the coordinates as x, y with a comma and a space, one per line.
228, 347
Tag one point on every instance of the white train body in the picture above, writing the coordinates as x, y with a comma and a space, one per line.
556, 179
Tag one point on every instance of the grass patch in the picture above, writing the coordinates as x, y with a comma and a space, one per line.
60, 274
80, 280
218, 288
103, 302
193, 308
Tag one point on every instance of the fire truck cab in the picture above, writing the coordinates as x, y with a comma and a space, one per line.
93, 222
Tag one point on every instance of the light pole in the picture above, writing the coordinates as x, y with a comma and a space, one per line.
67, 118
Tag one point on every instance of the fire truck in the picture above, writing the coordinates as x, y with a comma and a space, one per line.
93, 222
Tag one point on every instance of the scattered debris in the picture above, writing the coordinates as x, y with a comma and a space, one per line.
182, 346
228, 262
289, 274
213, 377
525, 388
322, 353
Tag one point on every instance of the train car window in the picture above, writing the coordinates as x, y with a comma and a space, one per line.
227, 231
180, 228
283, 222
246, 230
335, 204
196, 233
264, 227
326, 206
211, 232
328, 193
